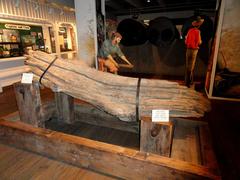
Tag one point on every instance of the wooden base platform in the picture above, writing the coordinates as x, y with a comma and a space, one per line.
102, 157
179, 149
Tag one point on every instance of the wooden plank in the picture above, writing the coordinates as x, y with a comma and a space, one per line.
156, 137
185, 144
65, 107
33, 166
198, 146
12, 116
25, 162
7, 160
110, 159
207, 153
29, 103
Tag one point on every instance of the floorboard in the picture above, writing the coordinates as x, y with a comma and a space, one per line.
19, 164
185, 144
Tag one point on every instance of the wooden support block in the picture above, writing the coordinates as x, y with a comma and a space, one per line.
29, 103
65, 107
156, 137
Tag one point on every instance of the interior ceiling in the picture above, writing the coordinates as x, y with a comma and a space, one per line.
128, 7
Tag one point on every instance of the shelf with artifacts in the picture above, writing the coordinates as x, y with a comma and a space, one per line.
10, 49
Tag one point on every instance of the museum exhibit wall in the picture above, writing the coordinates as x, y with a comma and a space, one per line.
162, 56
224, 82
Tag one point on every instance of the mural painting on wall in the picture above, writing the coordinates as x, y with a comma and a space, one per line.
227, 77
100, 29
100, 23
111, 26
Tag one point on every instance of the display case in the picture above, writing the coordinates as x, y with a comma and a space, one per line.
15, 39
9, 43
10, 49
223, 76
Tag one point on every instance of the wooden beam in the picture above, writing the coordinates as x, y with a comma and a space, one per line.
65, 107
29, 103
208, 157
156, 137
102, 157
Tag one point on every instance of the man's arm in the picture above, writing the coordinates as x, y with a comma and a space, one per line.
122, 56
112, 60
125, 59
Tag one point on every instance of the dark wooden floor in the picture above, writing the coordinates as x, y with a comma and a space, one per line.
18, 164
224, 121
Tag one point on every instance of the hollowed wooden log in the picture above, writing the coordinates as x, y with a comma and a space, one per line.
114, 94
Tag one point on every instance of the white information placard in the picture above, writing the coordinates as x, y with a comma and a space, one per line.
27, 78
159, 115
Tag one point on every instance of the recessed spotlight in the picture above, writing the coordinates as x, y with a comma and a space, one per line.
148, 1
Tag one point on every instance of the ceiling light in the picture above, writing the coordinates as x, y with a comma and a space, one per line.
148, 1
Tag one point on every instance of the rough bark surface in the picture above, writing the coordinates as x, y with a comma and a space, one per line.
116, 94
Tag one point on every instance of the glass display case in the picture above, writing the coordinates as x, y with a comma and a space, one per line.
9, 43
16, 38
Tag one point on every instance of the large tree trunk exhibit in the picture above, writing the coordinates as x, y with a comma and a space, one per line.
114, 94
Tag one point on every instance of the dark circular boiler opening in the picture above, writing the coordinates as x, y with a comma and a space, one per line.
162, 32
133, 32
167, 35
154, 35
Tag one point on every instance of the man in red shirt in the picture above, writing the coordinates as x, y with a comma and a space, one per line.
192, 41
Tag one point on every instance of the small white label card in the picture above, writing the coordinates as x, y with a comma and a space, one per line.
159, 115
27, 78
